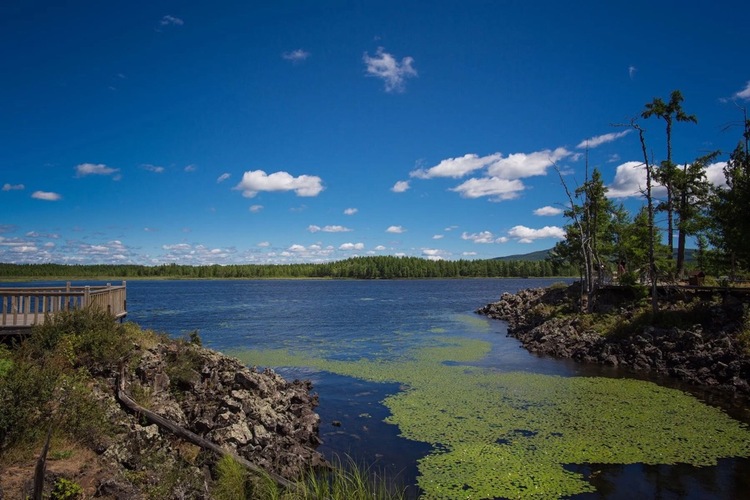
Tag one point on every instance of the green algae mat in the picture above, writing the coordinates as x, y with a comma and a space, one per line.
509, 434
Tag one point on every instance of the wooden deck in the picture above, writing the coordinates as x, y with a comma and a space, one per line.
22, 308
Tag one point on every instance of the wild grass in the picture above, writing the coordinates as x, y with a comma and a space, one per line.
347, 480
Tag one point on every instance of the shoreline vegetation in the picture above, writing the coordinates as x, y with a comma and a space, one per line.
382, 267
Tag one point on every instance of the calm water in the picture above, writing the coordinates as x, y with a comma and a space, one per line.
384, 318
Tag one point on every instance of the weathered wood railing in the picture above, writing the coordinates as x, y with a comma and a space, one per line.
25, 307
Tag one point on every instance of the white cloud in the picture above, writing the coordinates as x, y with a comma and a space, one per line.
264, 244
94, 169
256, 181
190, 168
631, 71
223, 177
171, 20
46, 195
527, 235
352, 246
715, 174
457, 167
547, 211
13, 187
296, 56
380, 248
630, 181
328, 229
395, 230
598, 140
498, 189
153, 168
297, 248
434, 254
482, 237
743, 94
520, 165
438, 236
400, 187
468, 254
384, 66
351, 211
255, 208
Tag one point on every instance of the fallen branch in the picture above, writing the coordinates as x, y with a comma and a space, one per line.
186, 434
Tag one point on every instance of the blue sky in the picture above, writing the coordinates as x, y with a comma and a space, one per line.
275, 132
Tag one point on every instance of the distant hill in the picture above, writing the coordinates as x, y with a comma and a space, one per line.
690, 254
533, 256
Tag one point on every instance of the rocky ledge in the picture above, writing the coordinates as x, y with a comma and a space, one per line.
709, 353
259, 415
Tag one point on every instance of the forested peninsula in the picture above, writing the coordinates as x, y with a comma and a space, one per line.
380, 267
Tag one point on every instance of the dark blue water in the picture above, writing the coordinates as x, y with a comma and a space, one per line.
384, 318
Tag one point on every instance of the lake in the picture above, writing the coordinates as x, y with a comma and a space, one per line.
353, 339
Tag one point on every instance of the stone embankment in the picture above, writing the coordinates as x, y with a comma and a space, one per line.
707, 354
259, 415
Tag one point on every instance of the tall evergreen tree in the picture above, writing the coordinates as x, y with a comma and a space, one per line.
669, 112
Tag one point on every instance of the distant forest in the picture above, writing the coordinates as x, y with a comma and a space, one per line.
383, 267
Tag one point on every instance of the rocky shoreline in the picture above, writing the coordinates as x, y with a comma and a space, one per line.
709, 353
257, 415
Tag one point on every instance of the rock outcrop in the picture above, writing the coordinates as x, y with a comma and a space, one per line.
709, 353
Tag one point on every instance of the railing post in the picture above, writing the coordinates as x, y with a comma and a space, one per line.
86, 296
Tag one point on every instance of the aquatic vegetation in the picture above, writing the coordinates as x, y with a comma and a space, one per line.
509, 434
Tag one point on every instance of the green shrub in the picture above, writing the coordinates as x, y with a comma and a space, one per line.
66, 489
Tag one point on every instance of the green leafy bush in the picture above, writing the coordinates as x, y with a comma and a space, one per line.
65, 489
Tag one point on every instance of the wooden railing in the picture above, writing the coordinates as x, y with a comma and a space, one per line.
25, 307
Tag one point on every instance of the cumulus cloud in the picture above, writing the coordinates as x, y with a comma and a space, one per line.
352, 246
223, 177
380, 248
715, 174
85, 169
46, 196
395, 229
256, 181
598, 140
498, 189
481, 237
457, 167
527, 235
438, 236
153, 168
171, 20
630, 180
520, 165
328, 229
400, 187
264, 244
255, 208
547, 211
13, 187
393, 73
296, 56
351, 211
434, 254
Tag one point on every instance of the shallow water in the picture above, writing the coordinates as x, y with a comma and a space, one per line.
383, 320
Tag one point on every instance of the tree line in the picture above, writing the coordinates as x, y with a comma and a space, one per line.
603, 239
373, 267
